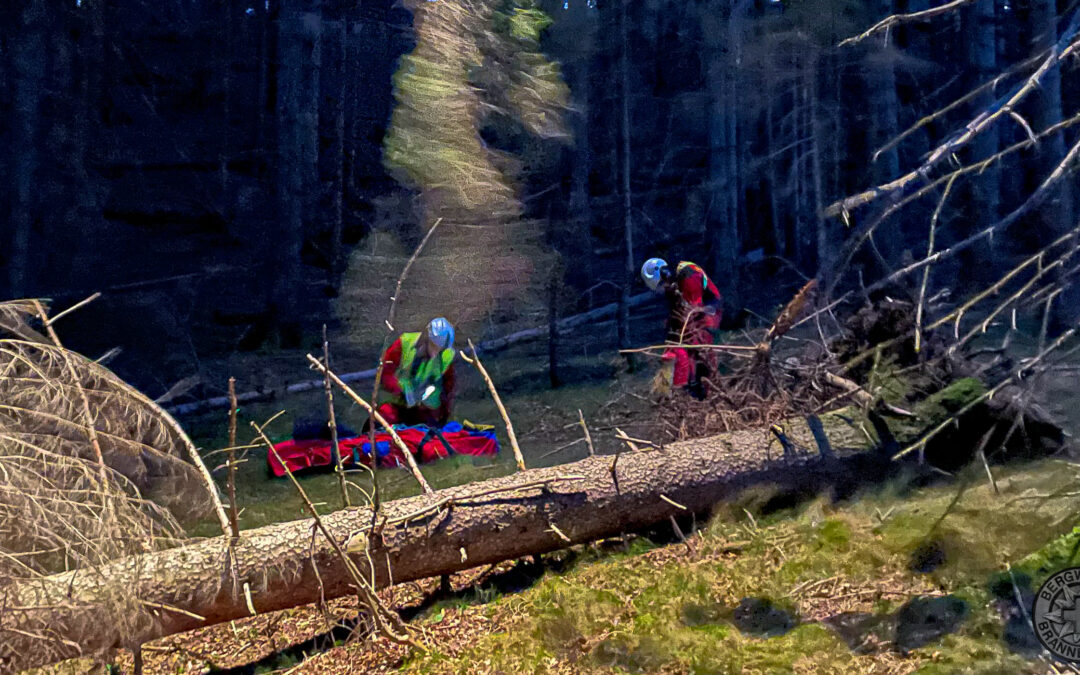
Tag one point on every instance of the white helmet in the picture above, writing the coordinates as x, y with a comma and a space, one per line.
653, 272
441, 333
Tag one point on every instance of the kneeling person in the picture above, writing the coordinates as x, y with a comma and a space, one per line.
418, 373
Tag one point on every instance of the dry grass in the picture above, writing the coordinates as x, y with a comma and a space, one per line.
89, 469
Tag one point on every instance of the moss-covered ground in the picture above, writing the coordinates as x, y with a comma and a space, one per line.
841, 570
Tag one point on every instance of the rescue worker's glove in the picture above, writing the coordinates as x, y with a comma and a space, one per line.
471, 426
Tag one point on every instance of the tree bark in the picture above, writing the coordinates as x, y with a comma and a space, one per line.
526, 513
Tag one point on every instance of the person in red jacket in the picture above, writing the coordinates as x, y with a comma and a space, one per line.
695, 309
418, 374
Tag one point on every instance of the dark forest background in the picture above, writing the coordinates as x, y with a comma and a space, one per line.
216, 167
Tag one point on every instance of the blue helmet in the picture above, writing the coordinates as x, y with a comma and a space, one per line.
441, 333
653, 272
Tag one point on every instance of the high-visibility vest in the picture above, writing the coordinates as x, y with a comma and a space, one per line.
429, 372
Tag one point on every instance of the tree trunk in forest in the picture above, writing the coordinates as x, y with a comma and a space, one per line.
1057, 215
775, 213
358, 41
227, 199
90, 64
623, 329
526, 513
581, 216
981, 42
883, 106
58, 185
28, 58
920, 47
554, 282
299, 33
825, 240
722, 28
335, 59
805, 240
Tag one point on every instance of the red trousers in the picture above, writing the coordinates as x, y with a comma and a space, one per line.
691, 364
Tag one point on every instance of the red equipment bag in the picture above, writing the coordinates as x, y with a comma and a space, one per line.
426, 444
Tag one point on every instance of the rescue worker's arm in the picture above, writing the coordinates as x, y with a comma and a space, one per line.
391, 361
711, 298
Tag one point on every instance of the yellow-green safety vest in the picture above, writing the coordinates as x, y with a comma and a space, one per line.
429, 372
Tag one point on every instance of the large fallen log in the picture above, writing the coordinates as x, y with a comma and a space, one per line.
529, 512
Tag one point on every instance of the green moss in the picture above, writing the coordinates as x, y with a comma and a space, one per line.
834, 534
629, 613
940, 405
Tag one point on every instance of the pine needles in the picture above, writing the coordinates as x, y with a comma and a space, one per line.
89, 468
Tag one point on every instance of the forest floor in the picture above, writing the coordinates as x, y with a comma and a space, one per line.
905, 577
898, 579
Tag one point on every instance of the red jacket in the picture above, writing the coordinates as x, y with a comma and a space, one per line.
693, 290
695, 286
389, 383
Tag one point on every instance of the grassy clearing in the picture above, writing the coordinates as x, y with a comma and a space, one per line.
544, 419
672, 610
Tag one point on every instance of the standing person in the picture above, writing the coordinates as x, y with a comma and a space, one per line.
418, 373
695, 308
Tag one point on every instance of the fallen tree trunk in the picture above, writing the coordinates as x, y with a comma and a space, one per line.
529, 512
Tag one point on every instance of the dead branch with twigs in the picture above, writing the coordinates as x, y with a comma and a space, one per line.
1064, 46
897, 19
387, 623
378, 418
91, 470
475, 361
757, 393
331, 422
386, 343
